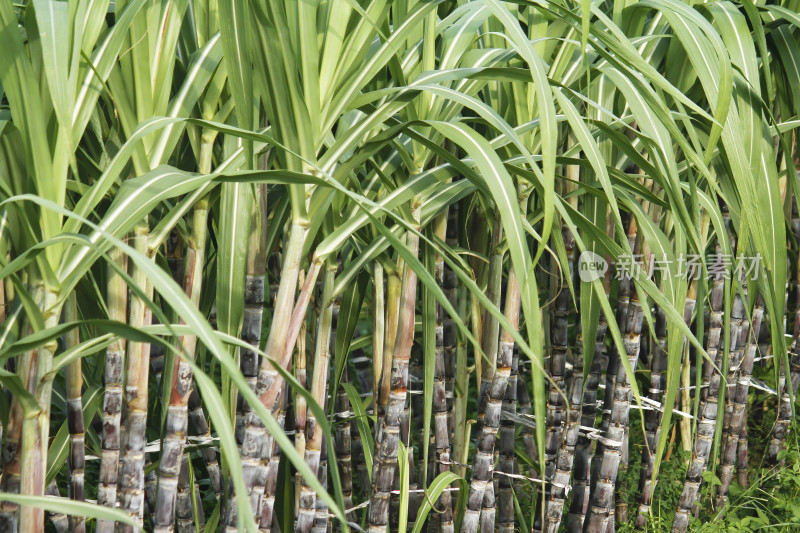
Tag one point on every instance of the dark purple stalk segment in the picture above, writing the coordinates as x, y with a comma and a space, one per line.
707, 413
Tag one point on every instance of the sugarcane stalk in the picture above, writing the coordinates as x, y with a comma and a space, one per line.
184, 509
557, 383
566, 452
489, 345
525, 409
450, 289
267, 507
136, 397
483, 460
150, 486
36, 426
788, 378
707, 415
319, 390
181, 388
441, 414
12, 462
602, 497
658, 382
77, 449
197, 417
581, 463
389, 437
61, 523
491, 327
383, 368
300, 407
378, 326
738, 422
9, 512
343, 444
508, 457
321, 521
117, 296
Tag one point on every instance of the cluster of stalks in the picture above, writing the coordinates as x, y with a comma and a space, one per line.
393, 265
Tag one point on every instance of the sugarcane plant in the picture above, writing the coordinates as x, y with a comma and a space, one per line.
395, 265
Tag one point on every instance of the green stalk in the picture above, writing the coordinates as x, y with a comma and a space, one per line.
319, 389
36, 426
77, 450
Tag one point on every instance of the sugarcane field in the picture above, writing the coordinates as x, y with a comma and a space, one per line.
389, 266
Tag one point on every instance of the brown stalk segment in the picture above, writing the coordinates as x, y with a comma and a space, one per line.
566, 452
707, 413
389, 436
117, 296
483, 461
319, 391
77, 449
131, 493
741, 458
602, 498
738, 422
